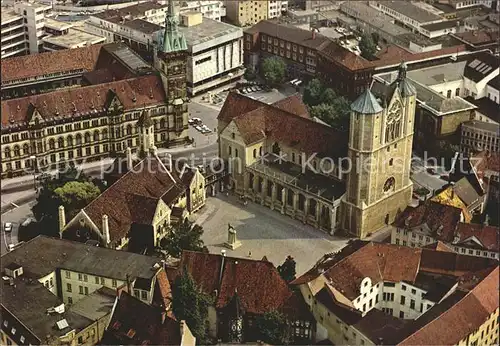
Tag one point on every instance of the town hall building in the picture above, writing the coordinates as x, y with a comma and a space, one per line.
280, 157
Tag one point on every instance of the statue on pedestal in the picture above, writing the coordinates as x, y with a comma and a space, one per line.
232, 242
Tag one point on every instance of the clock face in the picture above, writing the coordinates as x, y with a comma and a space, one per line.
394, 112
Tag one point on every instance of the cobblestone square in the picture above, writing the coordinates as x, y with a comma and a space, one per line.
263, 232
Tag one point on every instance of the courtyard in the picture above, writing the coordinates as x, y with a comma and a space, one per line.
263, 232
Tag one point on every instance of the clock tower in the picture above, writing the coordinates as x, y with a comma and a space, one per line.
170, 58
380, 151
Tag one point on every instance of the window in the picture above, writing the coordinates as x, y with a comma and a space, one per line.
144, 295
403, 287
401, 314
403, 300
86, 291
85, 278
80, 276
96, 280
114, 283
389, 284
68, 288
103, 281
80, 289
412, 304
413, 291
364, 307
21, 339
136, 293
6, 323
70, 300
13, 331
80, 340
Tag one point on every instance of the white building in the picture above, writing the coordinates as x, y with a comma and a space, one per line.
215, 52
276, 8
212, 9
479, 71
22, 28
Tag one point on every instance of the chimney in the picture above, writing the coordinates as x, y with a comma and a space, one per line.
105, 230
62, 220
129, 159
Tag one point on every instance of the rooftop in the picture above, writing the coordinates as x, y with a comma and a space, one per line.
439, 74
495, 82
96, 305
289, 33
142, 25
133, 11
441, 26
480, 66
478, 37
28, 301
56, 24
74, 38
482, 125
409, 10
78, 257
206, 31
9, 15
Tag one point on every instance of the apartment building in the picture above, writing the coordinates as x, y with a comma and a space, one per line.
13, 33
478, 136
80, 281
212, 9
276, 8
375, 293
215, 52
432, 222
246, 12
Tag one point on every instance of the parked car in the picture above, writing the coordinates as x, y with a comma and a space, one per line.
190, 121
7, 227
196, 120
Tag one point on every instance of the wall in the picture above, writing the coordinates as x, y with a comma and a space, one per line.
449, 86
161, 221
478, 90
492, 94
50, 282
486, 334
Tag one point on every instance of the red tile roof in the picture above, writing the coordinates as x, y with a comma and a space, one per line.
433, 214
258, 284
461, 319
65, 60
489, 236
451, 263
439, 246
163, 292
74, 102
257, 121
478, 37
293, 104
134, 197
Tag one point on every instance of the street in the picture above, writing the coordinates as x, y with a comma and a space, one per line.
16, 216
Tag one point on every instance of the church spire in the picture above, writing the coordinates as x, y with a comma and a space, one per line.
172, 40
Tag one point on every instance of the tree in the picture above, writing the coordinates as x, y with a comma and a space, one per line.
313, 92
190, 304
375, 37
367, 47
329, 96
273, 70
336, 114
273, 328
249, 74
287, 269
186, 236
72, 197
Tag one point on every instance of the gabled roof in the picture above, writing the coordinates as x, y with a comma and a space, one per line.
480, 66
488, 236
293, 104
450, 198
257, 121
462, 318
132, 93
136, 323
259, 286
134, 197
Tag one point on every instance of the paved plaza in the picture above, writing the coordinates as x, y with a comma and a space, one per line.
263, 232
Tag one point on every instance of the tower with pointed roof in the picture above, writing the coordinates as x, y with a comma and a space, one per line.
146, 137
380, 150
170, 59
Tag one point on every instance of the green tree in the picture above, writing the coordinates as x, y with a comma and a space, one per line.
313, 92
46, 208
335, 114
186, 236
328, 96
287, 269
249, 74
190, 304
375, 37
367, 47
273, 328
273, 70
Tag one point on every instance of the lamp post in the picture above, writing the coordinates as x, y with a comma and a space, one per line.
34, 163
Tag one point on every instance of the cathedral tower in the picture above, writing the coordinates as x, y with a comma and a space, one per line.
380, 151
170, 58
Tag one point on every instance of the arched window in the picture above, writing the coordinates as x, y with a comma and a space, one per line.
78, 139
70, 140
17, 150
236, 152
60, 142
389, 184
229, 150
87, 137
260, 151
276, 148
7, 152
96, 136
105, 134
254, 153
52, 143
26, 149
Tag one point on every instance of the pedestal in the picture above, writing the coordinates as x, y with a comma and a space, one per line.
232, 242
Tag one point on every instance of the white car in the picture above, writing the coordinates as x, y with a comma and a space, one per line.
7, 227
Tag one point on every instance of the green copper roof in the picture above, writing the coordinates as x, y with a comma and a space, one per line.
173, 40
366, 103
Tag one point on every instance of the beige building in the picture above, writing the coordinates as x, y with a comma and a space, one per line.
246, 12
278, 156
80, 282
382, 294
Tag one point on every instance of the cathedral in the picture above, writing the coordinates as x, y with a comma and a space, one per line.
280, 157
